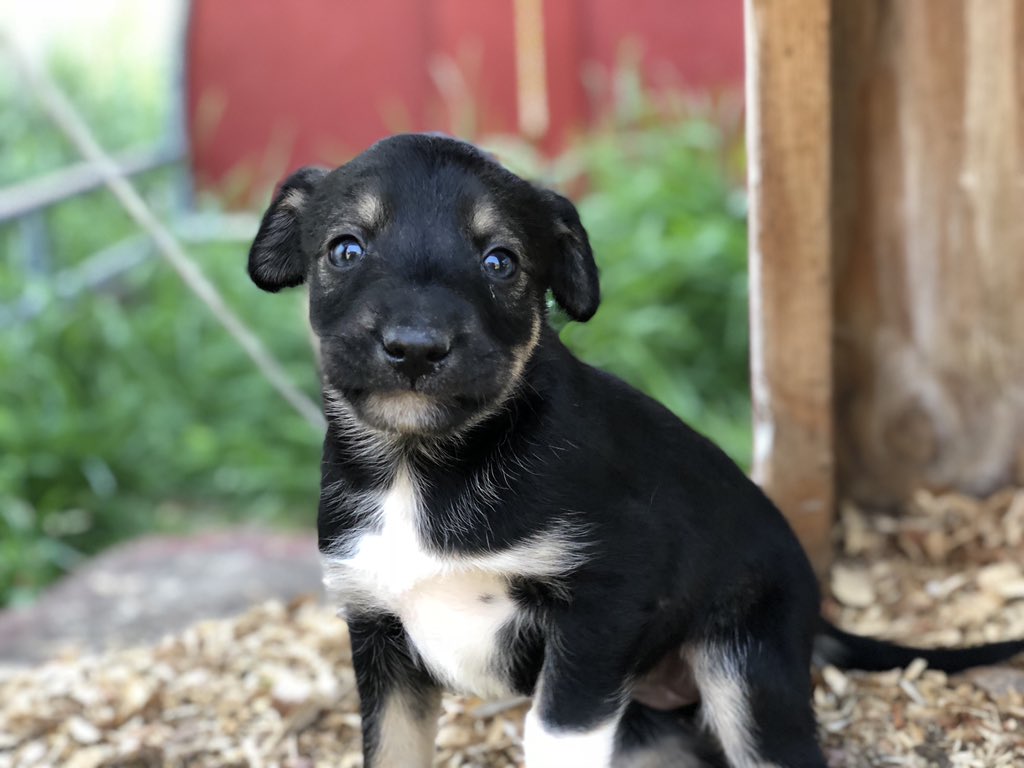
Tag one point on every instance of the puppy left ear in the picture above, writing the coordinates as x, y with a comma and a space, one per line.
573, 273
275, 259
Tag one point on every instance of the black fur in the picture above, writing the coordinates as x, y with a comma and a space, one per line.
385, 666
512, 438
276, 259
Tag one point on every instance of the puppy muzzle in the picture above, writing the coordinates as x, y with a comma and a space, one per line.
414, 380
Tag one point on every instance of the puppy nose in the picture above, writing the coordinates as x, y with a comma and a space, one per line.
415, 352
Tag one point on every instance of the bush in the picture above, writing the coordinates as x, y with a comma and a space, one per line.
668, 227
660, 192
136, 412
129, 410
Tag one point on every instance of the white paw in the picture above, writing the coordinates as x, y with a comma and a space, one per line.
547, 748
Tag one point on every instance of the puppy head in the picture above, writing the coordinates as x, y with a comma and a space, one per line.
427, 265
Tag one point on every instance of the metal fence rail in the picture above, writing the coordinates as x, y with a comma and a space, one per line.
28, 202
36, 195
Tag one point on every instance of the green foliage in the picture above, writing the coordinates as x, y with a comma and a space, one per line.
661, 196
129, 409
669, 232
136, 412
125, 103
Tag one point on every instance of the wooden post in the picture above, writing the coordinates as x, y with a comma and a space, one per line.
929, 246
887, 250
789, 144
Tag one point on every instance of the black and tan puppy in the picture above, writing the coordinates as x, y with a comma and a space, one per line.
497, 517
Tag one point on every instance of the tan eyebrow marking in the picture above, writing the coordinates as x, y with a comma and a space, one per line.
369, 209
485, 218
293, 199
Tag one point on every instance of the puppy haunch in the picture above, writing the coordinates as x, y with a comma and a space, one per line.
499, 518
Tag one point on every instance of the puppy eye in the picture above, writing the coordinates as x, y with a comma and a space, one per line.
345, 251
499, 263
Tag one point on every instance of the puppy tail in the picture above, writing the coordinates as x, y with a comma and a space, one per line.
848, 651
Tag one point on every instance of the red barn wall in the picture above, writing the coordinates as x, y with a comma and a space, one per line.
273, 85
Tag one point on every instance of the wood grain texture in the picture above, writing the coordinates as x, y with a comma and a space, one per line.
788, 103
928, 137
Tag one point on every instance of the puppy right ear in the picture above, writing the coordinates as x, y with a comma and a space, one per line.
275, 259
573, 274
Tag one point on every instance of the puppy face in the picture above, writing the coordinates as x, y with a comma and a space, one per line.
427, 265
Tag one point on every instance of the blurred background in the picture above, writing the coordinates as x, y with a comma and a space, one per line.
126, 408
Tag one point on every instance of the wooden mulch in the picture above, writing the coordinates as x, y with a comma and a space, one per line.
274, 687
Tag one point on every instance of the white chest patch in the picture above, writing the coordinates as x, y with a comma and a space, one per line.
453, 608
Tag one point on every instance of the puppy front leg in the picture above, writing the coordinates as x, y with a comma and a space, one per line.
399, 701
580, 698
554, 743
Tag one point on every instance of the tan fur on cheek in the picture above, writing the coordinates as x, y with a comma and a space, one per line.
521, 354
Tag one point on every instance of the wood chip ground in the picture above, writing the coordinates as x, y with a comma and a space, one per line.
273, 688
